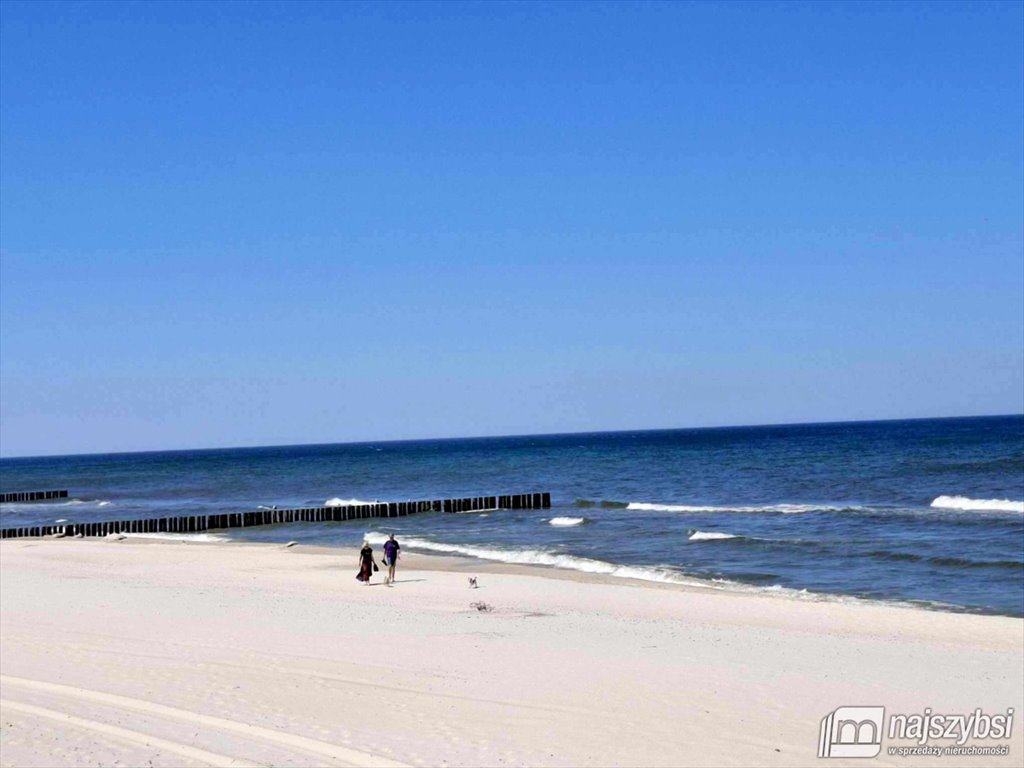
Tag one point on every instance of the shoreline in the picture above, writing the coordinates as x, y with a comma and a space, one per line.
264, 654
681, 580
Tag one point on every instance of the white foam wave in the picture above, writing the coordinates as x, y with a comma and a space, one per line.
336, 502
543, 557
786, 509
710, 535
40, 506
643, 573
566, 521
978, 505
204, 537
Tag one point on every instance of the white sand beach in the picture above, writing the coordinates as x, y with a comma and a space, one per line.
158, 653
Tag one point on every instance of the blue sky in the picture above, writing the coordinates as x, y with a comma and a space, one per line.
251, 224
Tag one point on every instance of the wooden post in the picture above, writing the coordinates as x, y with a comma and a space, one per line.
196, 523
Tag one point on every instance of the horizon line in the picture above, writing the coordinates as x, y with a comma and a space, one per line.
391, 441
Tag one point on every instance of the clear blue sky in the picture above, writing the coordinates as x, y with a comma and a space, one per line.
248, 224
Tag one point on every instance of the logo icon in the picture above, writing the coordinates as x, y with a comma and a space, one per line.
851, 732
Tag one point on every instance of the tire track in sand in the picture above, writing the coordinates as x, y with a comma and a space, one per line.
294, 671
124, 734
346, 755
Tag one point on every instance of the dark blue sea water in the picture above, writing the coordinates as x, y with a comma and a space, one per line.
925, 511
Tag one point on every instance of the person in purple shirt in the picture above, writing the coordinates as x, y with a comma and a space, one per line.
391, 549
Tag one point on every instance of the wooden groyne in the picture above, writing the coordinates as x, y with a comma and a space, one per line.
16, 496
200, 523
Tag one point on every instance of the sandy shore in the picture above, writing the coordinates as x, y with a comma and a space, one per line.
166, 654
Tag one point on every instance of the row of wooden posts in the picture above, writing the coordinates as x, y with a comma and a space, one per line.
16, 496
199, 523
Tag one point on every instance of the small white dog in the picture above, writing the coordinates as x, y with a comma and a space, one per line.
472, 582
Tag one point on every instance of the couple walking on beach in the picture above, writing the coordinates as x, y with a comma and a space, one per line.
368, 566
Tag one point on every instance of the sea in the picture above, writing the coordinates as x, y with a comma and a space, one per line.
926, 513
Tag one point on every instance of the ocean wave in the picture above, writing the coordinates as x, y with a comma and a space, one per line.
804, 545
31, 509
785, 509
710, 536
1000, 464
545, 557
643, 506
952, 562
978, 505
566, 521
336, 502
657, 574
198, 537
24, 506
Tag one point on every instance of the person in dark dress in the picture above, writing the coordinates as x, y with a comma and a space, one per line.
367, 565
391, 558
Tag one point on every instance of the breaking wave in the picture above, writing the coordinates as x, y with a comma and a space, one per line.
710, 536
978, 505
34, 510
336, 502
658, 574
545, 557
567, 521
785, 509
196, 537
